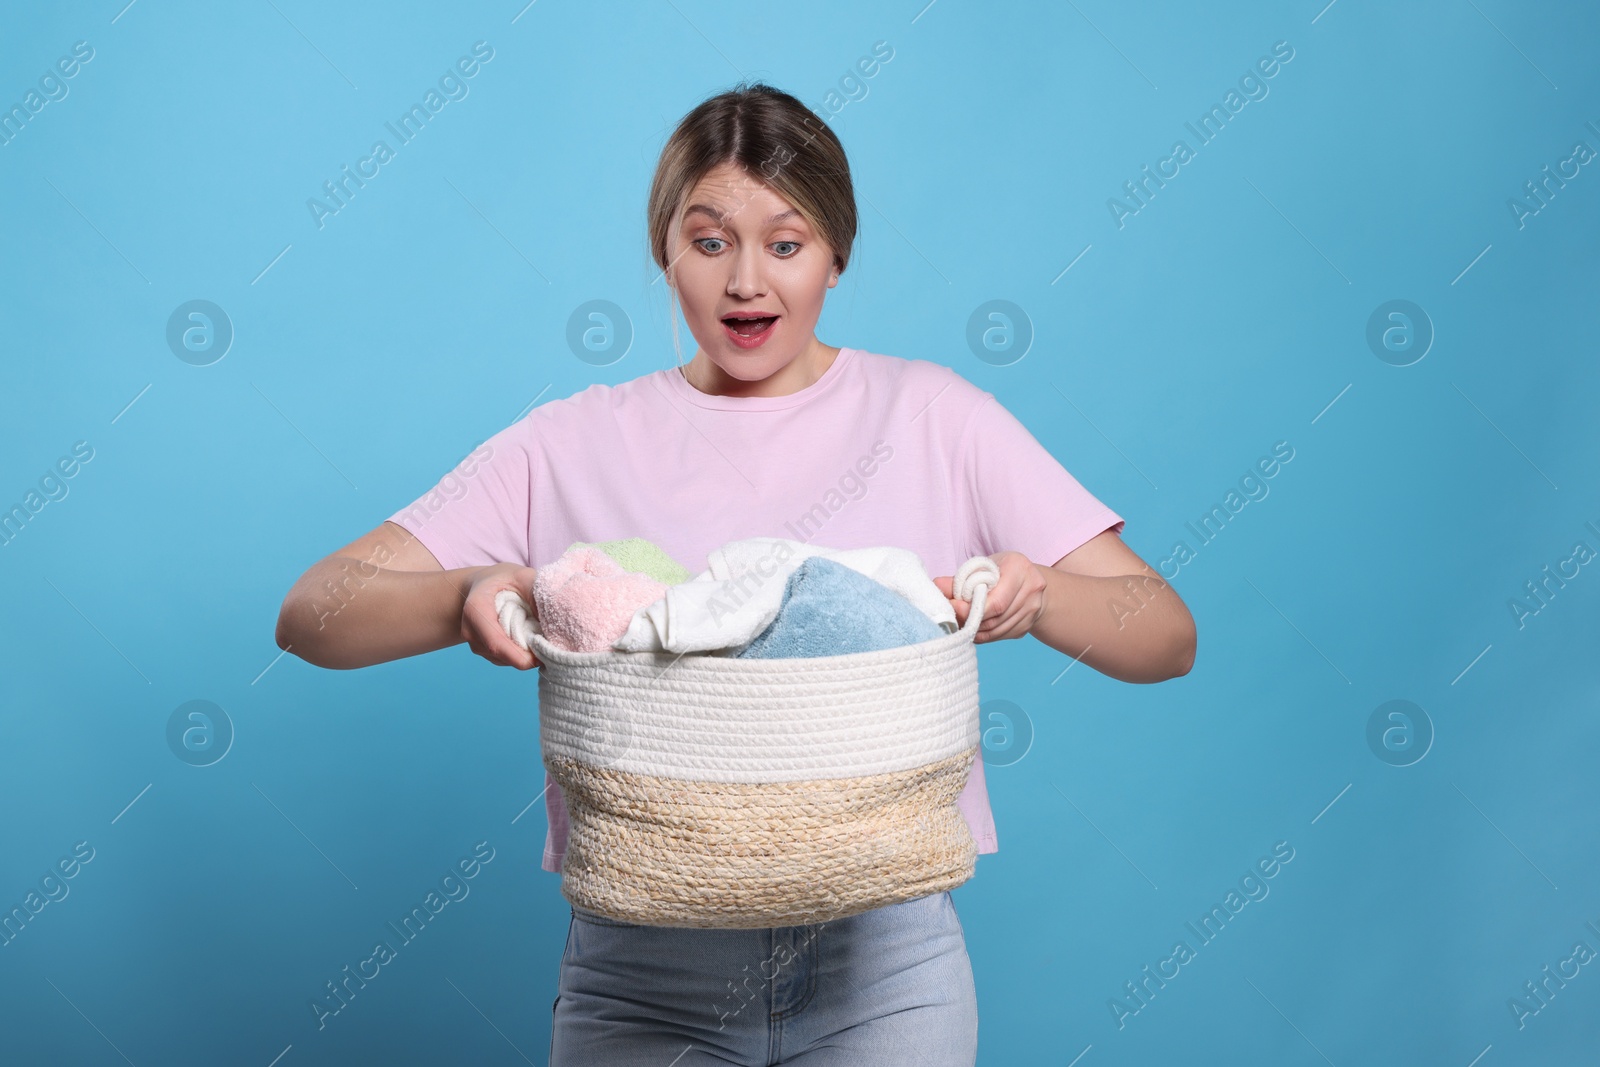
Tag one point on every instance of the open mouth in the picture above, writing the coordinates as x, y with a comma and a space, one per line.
747, 326
748, 331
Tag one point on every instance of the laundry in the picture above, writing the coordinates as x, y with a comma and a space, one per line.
739, 594
586, 599
644, 557
830, 610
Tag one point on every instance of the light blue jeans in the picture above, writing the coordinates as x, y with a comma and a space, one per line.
886, 987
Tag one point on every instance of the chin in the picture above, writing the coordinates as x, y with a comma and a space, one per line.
749, 367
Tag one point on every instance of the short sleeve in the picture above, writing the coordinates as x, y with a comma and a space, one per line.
477, 514
1013, 495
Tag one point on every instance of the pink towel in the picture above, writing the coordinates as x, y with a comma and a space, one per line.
585, 600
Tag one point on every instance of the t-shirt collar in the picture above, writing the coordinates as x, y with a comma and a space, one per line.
680, 385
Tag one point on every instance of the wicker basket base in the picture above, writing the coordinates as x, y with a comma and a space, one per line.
667, 852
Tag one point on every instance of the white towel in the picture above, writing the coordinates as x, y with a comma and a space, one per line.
739, 594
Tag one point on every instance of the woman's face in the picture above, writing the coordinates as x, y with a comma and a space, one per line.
742, 251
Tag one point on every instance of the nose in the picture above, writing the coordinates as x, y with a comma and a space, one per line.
746, 279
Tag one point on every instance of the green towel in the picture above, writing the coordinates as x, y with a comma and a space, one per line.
638, 555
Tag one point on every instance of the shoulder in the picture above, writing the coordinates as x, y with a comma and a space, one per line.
920, 373
922, 377
932, 390
593, 406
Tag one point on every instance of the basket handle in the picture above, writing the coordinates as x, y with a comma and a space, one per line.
516, 618
972, 582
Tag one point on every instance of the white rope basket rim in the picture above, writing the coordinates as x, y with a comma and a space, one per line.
971, 582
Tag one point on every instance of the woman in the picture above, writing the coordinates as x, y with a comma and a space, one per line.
766, 431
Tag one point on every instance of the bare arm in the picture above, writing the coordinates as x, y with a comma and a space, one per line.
1100, 603
1110, 609
384, 596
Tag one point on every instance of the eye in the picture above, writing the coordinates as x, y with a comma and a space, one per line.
792, 244
701, 241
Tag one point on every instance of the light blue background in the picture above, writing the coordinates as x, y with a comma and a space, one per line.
1228, 314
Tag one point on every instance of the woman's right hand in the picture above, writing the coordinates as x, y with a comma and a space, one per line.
480, 623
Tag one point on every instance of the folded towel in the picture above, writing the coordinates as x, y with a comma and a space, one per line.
585, 599
637, 554
738, 595
829, 610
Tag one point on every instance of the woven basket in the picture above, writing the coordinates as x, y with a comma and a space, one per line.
712, 791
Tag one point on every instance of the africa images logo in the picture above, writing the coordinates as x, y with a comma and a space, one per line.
1211, 123
452, 86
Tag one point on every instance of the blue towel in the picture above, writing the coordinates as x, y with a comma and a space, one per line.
829, 609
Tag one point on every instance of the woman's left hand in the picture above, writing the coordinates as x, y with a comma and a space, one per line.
1014, 603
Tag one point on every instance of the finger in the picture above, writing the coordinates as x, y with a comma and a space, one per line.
495, 644
1003, 630
994, 609
507, 653
479, 647
512, 654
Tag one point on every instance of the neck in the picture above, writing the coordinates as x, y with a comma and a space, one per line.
802, 371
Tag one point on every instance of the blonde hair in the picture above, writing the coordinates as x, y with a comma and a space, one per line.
773, 138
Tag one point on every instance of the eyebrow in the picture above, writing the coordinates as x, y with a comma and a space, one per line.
715, 214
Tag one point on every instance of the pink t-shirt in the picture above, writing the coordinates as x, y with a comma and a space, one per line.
878, 451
